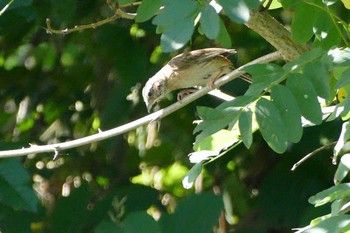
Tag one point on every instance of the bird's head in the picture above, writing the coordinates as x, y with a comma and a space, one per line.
154, 90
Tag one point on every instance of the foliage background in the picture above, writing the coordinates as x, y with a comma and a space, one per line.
58, 87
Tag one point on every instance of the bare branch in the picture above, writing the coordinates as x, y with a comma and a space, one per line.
118, 14
58, 147
312, 154
5, 7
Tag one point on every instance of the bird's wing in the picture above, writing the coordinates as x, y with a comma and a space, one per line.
184, 60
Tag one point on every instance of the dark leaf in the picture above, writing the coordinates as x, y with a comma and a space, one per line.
271, 125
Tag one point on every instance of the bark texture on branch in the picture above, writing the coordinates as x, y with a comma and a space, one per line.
276, 34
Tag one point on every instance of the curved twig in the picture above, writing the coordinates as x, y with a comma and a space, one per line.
58, 147
118, 14
312, 154
6, 7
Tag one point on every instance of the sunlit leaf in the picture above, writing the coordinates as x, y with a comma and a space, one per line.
340, 57
217, 141
344, 136
192, 175
336, 192
332, 224
346, 3
343, 168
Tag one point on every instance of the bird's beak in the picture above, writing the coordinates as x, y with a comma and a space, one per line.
149, 106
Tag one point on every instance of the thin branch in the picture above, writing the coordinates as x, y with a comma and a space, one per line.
5, 7
118, 14
312, 154
58, 147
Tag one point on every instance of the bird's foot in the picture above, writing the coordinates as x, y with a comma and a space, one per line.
184, 93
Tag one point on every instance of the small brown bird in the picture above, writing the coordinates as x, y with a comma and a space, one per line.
195, 68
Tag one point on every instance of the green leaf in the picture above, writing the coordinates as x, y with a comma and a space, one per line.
208, 208
271, 125
108, 226
175, 11
264, 75
319, 77
134, 222
214, 120
192, 175
343, 169
339, 191
209, 21
303, 59
15, 187
344, 79
326, 33
303, 23
71, 212
217, 141
237, 103
223, 37
343, 138
306, 97
288, 108
147, 9
340, 57
177, 35
274, 5
140, 221
245, 127
339, 224
237, 10
290, 3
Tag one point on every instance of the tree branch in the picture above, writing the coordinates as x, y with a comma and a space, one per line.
297, 164
118, 14
275, 33
6, 7
58, 147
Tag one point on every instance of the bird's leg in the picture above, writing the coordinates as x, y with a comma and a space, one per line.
212, 81
185, 92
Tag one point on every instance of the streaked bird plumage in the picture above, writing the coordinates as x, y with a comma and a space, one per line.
195, 68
